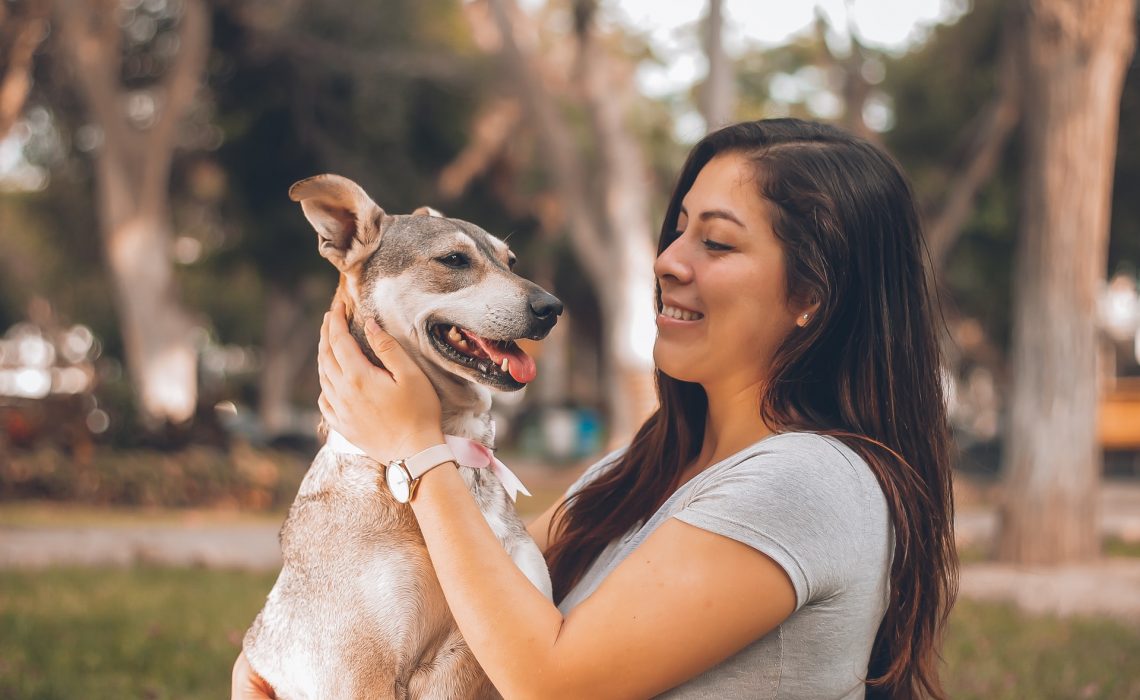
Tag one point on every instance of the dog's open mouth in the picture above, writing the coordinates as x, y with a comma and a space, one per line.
502, 361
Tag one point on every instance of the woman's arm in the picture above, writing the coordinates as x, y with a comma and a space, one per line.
683, 601
539, 528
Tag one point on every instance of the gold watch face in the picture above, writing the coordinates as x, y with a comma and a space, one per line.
399, 482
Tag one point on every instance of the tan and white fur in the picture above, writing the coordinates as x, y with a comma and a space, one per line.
357, 611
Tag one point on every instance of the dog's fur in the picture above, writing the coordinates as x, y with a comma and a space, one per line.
357, 611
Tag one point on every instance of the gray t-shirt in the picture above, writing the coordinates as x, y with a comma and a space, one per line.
812, 505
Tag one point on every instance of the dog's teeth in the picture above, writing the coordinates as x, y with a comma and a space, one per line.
504, 365
453, 334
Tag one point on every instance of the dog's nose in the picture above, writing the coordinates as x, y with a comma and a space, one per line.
545, 306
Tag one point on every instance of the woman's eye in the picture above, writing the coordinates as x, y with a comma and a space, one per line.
713, 245
456, 260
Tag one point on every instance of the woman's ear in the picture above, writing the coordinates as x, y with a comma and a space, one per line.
806, 314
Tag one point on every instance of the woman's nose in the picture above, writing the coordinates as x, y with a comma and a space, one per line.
671, 264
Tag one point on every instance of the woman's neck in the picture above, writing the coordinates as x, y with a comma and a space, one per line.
733, 423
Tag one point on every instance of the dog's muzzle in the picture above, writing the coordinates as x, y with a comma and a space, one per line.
545, 308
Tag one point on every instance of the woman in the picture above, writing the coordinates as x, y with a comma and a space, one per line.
782, 525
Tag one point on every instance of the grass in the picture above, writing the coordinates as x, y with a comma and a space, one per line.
995, 652
124, 633
173, 633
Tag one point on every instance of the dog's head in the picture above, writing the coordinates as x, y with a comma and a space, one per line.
441, 287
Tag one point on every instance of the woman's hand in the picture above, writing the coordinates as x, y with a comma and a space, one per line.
390, 412
245, 684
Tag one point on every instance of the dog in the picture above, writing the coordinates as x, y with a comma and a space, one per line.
357, 611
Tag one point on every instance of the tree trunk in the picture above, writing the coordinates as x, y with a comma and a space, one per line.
132, 180
1074, 58
161, 359
718, 94
612, 238
289, 343
629, 327
988, 133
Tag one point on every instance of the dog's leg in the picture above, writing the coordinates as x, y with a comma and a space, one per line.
528, 557
452, 674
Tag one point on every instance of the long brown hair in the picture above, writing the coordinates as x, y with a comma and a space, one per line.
865, 369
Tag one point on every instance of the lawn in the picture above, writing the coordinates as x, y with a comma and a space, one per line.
173, 633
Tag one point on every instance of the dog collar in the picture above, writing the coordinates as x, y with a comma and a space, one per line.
468, 453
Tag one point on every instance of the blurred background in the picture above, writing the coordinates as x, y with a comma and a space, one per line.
160, 296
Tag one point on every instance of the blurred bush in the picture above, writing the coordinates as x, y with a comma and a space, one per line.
196, 476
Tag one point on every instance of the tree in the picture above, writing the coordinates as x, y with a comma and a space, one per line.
606, 203
718, 94
21, 33
379, 93
139, 128
1073, 59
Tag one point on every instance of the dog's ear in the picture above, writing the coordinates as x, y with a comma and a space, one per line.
348, 223
428, 211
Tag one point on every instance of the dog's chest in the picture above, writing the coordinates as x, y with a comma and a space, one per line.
357, 591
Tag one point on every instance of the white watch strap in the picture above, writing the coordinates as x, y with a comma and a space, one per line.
423, 462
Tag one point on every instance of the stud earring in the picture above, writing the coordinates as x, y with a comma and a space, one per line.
805, 320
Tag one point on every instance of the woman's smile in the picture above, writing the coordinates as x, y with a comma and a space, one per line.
672, 316
723, 307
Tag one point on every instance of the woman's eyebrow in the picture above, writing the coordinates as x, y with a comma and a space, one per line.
721, 214
717, 214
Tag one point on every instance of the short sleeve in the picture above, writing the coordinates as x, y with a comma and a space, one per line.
797, 499
594, 471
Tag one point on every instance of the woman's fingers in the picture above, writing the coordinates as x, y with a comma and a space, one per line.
388, 350
327, 410
326, 360
353, 364
245, 684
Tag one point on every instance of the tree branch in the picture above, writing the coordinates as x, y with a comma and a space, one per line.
94, 51
491, 130
623, 175
991, 132
178, 91
557, 143
16, 82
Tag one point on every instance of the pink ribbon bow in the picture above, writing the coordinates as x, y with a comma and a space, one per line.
478, 456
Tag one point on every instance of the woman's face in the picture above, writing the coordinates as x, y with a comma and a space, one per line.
722, 282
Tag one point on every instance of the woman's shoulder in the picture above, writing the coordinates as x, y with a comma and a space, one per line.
805, 500
803, 470
802, 449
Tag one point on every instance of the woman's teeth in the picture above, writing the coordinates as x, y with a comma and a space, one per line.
680, 314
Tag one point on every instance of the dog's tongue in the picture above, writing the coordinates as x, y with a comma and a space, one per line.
521, 365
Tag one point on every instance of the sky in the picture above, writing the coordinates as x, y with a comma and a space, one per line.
893, 25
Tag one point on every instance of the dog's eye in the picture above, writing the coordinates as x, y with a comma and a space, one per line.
511, 262
456, 260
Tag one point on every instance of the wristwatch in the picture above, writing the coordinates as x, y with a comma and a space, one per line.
403, 475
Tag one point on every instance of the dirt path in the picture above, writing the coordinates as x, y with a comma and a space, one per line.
1110, 586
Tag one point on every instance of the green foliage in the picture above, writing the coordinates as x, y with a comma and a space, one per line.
1124, 243
938, 91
